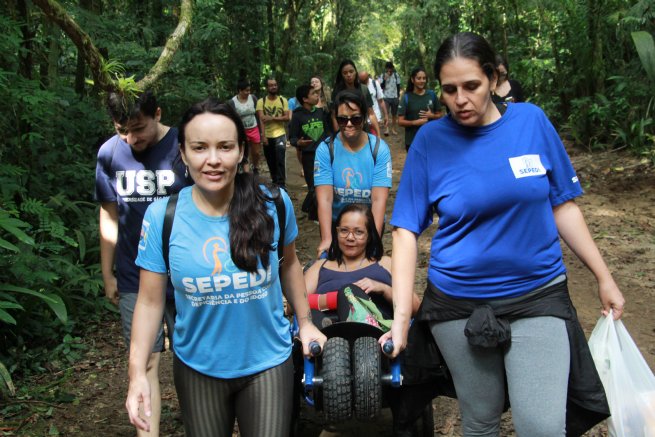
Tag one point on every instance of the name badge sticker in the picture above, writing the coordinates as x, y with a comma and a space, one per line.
527, 165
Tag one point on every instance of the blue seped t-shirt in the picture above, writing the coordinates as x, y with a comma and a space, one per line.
493, 189
230, 323
352, 174
134, 181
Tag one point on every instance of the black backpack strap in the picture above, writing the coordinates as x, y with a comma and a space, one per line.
331, 146
281, 220
374, 150
168, 227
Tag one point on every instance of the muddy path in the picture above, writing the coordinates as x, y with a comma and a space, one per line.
619, 206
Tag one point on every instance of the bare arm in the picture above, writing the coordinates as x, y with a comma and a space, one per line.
311, 277
374, 121
403, 270
385, 113
293, 287
379, 196
371, 286
324, 198
148, 313
575, 233
108, 224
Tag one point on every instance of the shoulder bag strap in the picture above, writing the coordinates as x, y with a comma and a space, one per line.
169, 217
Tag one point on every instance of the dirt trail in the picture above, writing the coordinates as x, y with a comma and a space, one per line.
619, 206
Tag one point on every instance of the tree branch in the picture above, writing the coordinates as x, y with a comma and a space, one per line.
172, 44
55, 12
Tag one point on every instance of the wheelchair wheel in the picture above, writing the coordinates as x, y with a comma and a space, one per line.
335, 370
367, 385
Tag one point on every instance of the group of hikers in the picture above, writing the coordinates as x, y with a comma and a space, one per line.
192, 235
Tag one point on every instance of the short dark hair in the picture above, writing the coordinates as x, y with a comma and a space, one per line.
122, 107
242, 84
302, 92
466, 45
374, 249
388, 65
268, 79
350, 96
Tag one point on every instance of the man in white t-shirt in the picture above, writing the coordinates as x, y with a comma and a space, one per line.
377, 94
391, 87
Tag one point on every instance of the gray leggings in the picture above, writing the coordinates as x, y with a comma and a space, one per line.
261, 402
536, 366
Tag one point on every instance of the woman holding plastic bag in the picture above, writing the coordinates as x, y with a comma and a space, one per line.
497, 301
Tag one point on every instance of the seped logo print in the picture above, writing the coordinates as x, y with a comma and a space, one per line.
349, 175
350, 191
224, 284
215, 245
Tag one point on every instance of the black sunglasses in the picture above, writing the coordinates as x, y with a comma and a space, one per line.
356, 120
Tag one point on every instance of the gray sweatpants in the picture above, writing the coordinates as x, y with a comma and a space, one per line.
536, 366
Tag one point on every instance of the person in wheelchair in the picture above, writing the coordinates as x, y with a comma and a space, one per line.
356, 269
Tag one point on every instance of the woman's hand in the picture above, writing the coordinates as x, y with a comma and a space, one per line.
323, 247
611, 298
138, 395
398, 334
370, 286
309, 333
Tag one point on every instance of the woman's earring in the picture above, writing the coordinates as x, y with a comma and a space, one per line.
186, 171
240, 169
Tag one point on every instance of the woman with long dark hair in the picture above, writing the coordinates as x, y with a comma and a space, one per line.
497, 302
418, 105
231, 341
507, 90
347, 78
356, 256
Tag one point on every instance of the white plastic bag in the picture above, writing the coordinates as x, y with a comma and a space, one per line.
629, 383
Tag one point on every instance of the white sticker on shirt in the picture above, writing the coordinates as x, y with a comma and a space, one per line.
527, 165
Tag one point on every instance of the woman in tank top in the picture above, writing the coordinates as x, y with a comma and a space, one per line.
356, 256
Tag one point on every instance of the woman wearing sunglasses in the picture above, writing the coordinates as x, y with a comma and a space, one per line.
350, 167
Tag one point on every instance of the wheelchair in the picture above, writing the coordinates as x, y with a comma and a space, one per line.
351, 378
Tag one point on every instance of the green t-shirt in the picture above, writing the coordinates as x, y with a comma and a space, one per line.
411, 104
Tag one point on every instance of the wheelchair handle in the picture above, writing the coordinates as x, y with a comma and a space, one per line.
314, 349
387, 347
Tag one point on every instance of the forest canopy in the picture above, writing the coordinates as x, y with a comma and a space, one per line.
590, 64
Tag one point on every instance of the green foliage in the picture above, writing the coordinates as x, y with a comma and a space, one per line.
49, 284
646, 49
575, 58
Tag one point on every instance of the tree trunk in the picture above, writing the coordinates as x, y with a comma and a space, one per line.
26, 63
271, 34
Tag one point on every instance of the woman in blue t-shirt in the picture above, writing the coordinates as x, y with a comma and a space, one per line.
497, 303
231, 341
350, 167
